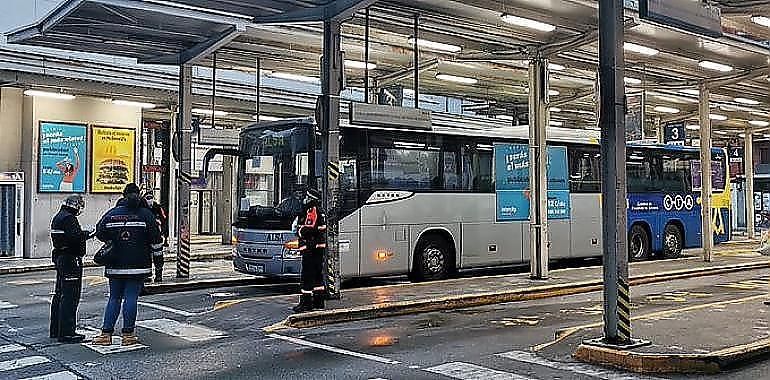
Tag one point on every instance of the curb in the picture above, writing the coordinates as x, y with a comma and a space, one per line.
88, 263
392, 309
164, 288
710, 363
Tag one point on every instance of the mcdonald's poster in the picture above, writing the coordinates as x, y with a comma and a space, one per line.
113, 152
62, 158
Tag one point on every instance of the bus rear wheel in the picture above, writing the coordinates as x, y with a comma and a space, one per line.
638, 244
672, 242
431, 261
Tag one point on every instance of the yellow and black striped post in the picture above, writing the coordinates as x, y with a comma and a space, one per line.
624, 311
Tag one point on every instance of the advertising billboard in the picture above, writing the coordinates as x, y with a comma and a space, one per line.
113, 152
62, 158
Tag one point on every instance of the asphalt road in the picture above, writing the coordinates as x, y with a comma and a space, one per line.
217, 334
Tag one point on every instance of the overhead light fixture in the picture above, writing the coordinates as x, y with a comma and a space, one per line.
715, 66
51, 95
630, 80
690, 92
555, 109
295, 77
715, 116
693, 127
664, 109
456, 79
528, 23
766, 135
761, 20
644, 50
433, 45
556, 67
353, 64
504, 117
750, 102
553, 93
741, 135
129, 103
201, 111
759, 123
720, 133
555, 123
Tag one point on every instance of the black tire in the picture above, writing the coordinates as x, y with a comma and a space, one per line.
432, 259
639, 248
673, 242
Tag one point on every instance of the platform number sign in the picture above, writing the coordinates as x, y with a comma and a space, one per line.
675, 133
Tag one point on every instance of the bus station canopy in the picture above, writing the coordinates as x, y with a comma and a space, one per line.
474, 40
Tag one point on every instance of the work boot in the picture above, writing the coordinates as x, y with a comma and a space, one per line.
158, 279
104, 339
318, 300
305, 303
74, 338
129, 339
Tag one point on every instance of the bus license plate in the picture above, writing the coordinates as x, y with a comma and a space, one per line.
256, 268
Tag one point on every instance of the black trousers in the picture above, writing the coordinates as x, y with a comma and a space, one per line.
312, 270
64, 306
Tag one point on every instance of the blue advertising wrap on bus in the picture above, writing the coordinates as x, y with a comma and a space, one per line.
656, 210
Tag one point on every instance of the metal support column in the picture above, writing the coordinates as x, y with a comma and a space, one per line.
184, 132
329, 119
225, 204
257, 94
366, 56
748, 162
538, 161
416, 64
617, 302
705, 163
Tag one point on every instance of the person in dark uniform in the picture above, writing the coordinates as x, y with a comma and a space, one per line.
69, 247
162, 219
311, 232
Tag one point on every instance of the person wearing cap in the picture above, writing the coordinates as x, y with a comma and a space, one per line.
134, 234
69, 247
311, 231
162, 219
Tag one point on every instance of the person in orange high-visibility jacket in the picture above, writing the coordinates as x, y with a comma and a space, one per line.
311, 231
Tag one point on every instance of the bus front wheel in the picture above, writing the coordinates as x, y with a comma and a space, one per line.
638, 244
431, 261
672, 242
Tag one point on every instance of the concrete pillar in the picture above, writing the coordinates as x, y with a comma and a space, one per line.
184, 132
225, 204
11, 100
748, 161
705, 163
538, 160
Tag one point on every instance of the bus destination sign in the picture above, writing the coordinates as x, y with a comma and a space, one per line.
692, 16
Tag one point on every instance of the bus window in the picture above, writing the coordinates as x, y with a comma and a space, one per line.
405, 169
451, 179
585, 170
477, 173
642, 172
676, 176
718, 174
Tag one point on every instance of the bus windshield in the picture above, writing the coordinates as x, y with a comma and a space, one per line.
273, 175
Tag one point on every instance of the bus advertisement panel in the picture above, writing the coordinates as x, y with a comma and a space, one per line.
62, 155
512, 182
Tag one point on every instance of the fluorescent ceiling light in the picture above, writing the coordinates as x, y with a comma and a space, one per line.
433, 45
741, 135
266, 118
201, 111
759, 123
714, 116
691, 92
750, 102
555, 67
720, 132
52, 95
295, 77
528, 23
553, 93
644, 50
761, 20
765, 135
353, 64
456, 79
129, 103
715, 66
664, 109
693, 127
555, 123
504, 117
555, 109
630, 80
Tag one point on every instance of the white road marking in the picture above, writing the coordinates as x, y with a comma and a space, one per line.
467, 371
7, 305
167, 309
336, 350
63, 375
11, 348
10, 365
186, 331
582, 369
115, 348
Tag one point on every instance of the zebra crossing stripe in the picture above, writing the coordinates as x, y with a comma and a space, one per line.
186, 331
467, 371
63, 375
11, 365
577, 368
11, 348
